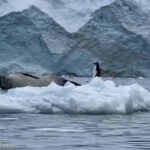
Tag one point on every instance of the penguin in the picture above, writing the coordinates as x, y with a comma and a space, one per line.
97, 70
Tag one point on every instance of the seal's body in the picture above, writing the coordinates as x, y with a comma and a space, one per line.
24, 79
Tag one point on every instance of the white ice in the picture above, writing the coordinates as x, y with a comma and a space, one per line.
96, 97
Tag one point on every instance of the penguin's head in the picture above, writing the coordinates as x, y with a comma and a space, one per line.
96, 64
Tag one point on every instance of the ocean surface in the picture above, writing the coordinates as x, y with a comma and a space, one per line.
102, 114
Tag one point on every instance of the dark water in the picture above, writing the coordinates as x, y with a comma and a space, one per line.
82, 132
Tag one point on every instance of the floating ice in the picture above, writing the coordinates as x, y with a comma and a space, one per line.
96, 97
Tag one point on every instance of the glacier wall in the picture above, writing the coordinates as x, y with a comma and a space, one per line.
71, 14
35, 37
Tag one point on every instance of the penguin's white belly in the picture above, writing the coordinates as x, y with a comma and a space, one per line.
94, 72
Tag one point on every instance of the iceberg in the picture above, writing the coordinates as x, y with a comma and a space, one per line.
96, 97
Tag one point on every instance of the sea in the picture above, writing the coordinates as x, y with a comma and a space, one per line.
102, 114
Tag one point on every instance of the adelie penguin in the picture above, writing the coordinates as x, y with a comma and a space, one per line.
97, 70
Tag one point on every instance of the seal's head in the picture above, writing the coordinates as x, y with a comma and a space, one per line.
4, 83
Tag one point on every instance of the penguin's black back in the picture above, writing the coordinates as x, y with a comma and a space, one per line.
98, 70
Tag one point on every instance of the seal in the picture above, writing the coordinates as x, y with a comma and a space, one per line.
25, 79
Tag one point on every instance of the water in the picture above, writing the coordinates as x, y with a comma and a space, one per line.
82, 132
35, 130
